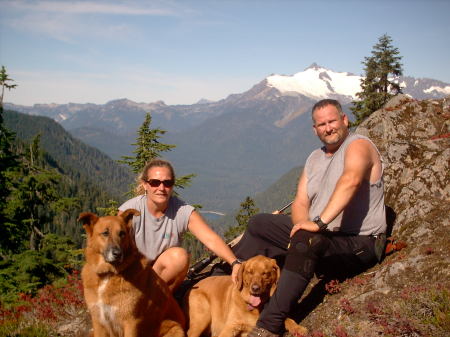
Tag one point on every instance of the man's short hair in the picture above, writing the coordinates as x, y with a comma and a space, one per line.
328, 101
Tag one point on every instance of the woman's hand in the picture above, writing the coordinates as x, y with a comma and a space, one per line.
234, 272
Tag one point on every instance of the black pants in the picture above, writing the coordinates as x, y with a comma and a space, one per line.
308, 254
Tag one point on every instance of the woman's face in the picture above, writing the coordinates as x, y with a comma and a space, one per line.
159, 184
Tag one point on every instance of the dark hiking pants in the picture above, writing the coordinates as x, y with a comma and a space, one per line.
321, 253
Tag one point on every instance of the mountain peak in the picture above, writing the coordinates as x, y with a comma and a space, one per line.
204, 101
317, 82
315, 66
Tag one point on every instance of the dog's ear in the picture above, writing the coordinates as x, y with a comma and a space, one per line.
240, 277
88, 219
277, 272
127, 215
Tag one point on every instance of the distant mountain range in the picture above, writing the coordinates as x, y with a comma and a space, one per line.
237, 146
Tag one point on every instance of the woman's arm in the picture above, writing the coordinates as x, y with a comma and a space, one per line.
212, 240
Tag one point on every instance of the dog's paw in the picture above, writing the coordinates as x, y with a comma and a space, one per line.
295, 329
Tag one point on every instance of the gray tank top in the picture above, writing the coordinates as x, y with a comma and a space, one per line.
365, 214
154, 235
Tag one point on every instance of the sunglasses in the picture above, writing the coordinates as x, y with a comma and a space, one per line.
157, 182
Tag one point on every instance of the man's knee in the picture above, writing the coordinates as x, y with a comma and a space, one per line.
309, 242
304, 251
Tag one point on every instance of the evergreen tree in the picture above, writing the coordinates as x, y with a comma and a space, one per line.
30, 205
110, 209
380, 83
247, 210
9, 163
4, 78
148, 147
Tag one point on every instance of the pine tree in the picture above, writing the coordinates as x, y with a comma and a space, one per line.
9, 164
380, 84
31, 202
3, 82
247, 210
110, 209
148, 147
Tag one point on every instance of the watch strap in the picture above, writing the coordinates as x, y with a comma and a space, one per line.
322, 225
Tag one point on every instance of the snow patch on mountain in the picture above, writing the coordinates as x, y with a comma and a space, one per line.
317, 82
445, 91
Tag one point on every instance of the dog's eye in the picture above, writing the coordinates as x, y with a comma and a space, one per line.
122, 234
105, 233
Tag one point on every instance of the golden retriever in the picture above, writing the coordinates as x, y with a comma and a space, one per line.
123, 293
217, 306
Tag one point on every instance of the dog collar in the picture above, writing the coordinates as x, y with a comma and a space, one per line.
235, 262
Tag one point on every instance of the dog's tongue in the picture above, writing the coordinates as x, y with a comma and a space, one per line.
254, 301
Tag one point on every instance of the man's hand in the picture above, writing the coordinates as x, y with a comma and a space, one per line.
305, 225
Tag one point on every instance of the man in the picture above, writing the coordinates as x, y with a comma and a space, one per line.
337, 215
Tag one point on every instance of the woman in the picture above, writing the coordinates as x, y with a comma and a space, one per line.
163, 220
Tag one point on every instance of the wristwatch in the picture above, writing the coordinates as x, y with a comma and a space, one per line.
320, 223
235, 262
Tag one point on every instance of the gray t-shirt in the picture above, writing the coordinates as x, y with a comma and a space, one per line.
365, 214
155, 235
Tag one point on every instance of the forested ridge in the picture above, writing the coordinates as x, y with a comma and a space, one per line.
73, 157
86, 173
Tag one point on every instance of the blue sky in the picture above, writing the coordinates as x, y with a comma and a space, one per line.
182, 51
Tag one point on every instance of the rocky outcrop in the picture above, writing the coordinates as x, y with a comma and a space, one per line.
413, 138
408, 293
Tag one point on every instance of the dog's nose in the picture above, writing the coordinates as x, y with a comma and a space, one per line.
255, 288
113, 254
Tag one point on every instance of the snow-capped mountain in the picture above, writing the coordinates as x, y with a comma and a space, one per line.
318, 82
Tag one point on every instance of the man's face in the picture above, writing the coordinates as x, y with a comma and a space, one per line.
330, 126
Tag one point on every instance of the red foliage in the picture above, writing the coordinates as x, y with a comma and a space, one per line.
412, 291
49, 304
429, 251
358, 280
346, 306
340, 331
446, 135
374, 309
333, 287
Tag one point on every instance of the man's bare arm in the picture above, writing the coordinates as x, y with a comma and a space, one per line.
357, 166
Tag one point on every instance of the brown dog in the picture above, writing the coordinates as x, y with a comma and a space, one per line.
218, 306
123, 293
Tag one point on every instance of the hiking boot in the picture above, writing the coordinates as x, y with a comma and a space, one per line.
261, 332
